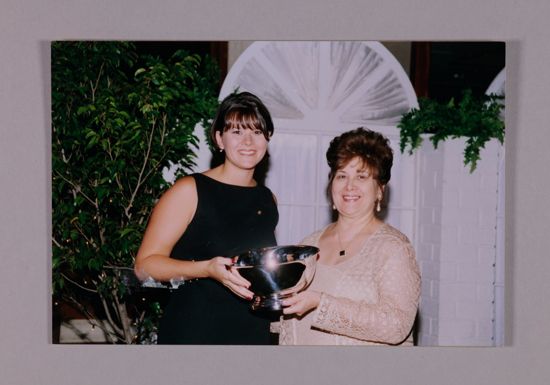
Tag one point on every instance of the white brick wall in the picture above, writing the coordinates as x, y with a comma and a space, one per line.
456, 244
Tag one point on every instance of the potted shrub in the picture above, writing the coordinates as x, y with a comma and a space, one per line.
118, 118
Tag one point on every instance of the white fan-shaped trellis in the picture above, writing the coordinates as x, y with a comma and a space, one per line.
350, 82
315, 91
497, 86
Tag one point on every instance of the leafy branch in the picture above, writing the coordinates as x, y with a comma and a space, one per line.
118, 118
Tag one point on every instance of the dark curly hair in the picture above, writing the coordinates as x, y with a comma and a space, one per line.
244, 110
370, 146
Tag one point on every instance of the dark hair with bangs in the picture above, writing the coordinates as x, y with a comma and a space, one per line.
242, 110
370, 146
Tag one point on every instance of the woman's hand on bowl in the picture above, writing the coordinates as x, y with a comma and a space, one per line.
301, 303
220, 269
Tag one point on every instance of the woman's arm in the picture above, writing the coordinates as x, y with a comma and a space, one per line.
389, 320
169, 220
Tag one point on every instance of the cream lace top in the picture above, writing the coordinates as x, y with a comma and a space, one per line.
369, 299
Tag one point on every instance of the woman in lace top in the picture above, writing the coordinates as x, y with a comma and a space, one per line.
367, 282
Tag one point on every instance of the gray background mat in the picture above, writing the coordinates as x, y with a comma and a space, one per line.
27, 27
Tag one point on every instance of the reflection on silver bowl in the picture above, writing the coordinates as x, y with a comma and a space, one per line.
277, 272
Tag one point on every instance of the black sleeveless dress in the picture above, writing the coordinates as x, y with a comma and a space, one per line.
229, 220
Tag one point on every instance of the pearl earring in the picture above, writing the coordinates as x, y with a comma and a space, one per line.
378, 203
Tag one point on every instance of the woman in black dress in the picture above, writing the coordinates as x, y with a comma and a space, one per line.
203, 220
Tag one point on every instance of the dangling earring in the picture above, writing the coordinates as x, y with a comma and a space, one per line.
378, 208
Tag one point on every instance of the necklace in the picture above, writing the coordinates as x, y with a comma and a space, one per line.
342, 251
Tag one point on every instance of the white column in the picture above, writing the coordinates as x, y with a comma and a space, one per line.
457, 244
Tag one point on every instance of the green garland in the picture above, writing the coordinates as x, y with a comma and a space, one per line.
479, 119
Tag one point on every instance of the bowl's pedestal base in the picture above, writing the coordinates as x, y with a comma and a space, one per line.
272, 302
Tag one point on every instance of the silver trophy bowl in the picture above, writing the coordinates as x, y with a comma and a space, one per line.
276, 273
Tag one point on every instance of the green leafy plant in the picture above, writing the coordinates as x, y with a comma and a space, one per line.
118, 119
479, 119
